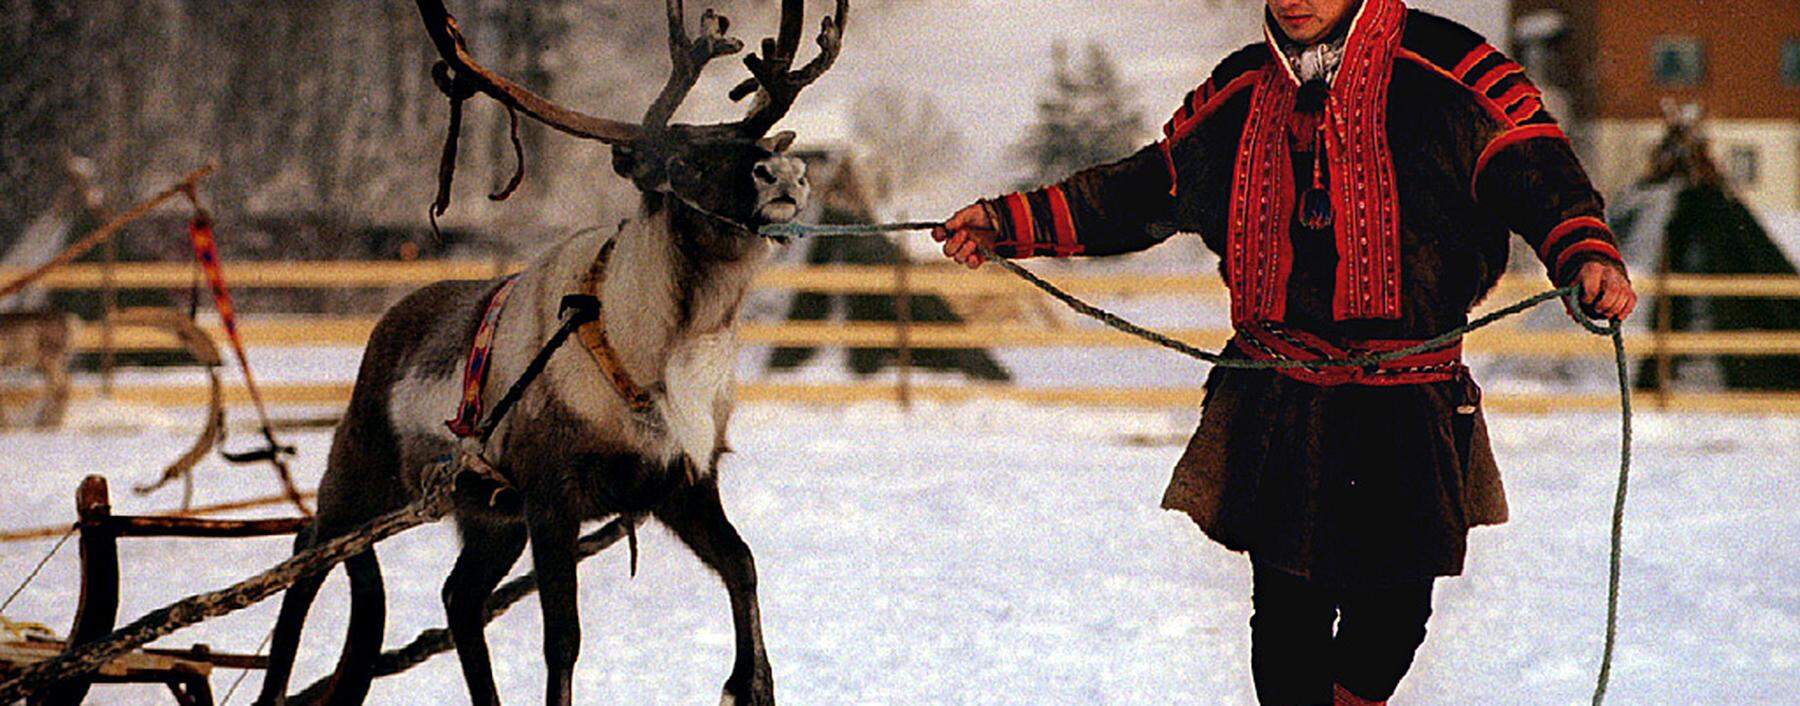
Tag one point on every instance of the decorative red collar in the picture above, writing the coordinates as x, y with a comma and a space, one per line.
1361, 168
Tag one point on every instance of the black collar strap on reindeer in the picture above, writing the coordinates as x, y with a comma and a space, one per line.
581, 314
471, 428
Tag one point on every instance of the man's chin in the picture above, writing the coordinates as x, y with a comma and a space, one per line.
1306, 33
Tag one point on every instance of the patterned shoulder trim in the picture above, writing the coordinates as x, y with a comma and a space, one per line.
1202, 102
1237, 72
1457, 53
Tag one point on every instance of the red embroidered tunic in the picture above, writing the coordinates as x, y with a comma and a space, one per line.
1436, 147
1473, 155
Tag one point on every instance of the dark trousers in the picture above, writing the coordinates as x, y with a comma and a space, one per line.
1296, 658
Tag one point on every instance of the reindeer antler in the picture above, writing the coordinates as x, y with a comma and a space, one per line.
468, 78
460, 77
687, 56
771, 72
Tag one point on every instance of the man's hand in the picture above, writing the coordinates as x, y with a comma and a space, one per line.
964, 235
1605, 290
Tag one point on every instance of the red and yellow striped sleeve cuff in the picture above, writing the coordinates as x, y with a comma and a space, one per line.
1576, 241
1035, 223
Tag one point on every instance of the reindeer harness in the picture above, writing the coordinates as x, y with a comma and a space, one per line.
583, 313
581, 316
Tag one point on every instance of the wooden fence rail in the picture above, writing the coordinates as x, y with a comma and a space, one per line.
302, 332
337, 394
834, 279
937, 279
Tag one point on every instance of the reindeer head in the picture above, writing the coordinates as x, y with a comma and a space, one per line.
732, 169
1683, 153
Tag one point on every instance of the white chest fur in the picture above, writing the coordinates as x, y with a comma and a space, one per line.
699, 388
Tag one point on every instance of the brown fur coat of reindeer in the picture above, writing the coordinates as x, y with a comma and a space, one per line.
573, 448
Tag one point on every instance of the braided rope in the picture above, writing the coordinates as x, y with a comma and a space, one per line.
434, 504
36, 569
1568, 294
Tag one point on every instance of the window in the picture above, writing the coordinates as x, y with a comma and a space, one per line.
1678, 61
1745, 165
1790, 62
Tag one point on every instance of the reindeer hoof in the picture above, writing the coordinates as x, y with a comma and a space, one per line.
760, 693
728, 699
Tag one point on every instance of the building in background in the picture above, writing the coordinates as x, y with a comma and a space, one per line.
1609, 66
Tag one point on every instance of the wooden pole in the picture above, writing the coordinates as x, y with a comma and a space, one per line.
103, 233
1659, 331
97, 609
109, 306
122, 526
903, 321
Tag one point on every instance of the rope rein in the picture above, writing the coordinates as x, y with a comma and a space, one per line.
432, 504
440, 480
1569, 295
36, 569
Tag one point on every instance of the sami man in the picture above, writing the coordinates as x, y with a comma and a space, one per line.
1358, 174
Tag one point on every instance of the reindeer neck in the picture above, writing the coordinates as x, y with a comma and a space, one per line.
673, 276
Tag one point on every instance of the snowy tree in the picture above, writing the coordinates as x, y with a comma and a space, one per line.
906, 138
1088, 117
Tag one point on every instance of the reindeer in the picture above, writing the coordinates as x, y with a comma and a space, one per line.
669, 283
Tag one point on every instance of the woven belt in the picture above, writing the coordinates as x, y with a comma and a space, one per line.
1274, 342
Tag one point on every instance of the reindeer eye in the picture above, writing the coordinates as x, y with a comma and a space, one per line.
763, 173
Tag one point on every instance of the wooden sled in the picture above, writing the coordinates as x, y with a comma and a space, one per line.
186, 672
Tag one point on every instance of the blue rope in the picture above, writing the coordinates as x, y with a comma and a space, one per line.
1569, 295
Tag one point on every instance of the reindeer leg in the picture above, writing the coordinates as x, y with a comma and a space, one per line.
488, 551
362, 643
698, 518
285, 644
553, 529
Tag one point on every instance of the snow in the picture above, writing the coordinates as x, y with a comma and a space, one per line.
1784, 229
1003, 554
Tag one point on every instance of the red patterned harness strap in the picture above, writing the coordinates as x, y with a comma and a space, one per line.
467, 423
1274, 342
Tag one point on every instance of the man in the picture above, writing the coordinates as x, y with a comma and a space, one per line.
1358, 173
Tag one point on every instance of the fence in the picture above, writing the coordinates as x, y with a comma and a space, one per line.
904, 336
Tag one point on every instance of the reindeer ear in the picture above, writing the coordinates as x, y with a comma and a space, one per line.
778, 142
625, 161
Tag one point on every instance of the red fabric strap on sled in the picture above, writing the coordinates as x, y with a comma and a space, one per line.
206, 253
1276, 342
467, 423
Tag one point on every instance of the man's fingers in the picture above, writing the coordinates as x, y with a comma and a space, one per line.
1611, 302
1624, 302
940, 234
1591, 285
965, 249
972, 216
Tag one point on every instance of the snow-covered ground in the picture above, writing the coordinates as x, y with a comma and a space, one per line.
998, 554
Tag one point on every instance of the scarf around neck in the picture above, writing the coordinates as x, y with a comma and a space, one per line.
1319, 60
1364, 196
